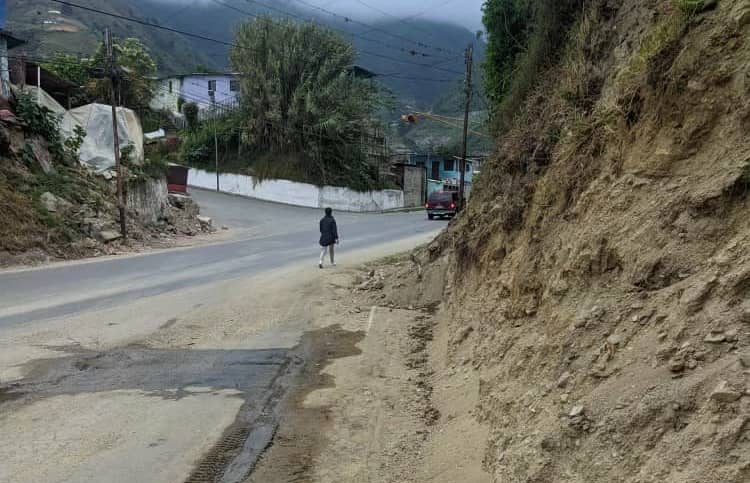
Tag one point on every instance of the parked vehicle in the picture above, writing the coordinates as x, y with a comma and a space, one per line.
442, 204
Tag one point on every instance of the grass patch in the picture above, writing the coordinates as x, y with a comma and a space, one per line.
691, 7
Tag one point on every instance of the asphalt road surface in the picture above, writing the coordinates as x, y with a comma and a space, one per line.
271, 236
169, 366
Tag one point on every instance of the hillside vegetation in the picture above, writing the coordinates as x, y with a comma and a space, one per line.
388, 51
53, 208
598, 284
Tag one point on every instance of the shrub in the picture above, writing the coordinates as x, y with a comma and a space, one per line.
533, 32
190, 110
41, 121
691, 7
74, 143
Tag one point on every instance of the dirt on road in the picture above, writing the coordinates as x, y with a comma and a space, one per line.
189, 386
365, 409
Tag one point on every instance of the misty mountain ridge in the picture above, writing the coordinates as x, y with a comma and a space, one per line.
383, 51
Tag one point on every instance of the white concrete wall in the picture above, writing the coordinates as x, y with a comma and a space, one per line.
300, 194
163, 99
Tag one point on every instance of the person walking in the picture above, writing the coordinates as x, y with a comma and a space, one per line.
329, 236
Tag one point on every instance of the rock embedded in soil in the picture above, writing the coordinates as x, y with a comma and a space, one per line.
108, 236
715, 338
576, 411
564, 379
724, 393
53, 203
677, 365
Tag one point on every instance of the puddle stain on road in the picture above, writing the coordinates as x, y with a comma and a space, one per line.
262, 378
292, 452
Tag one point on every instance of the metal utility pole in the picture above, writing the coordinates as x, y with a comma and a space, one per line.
114, 75
469, 65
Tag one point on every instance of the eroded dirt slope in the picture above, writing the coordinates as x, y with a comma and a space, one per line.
598, 285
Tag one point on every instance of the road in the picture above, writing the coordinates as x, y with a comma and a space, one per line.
275, 236
168, 366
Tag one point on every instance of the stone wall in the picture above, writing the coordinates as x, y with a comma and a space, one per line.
148, 199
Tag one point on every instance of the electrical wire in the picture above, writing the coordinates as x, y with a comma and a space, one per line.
218, 41
397, 19
373, 28
56, 61
362, 51
345, 32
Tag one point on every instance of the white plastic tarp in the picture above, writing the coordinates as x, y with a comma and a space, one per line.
97, 150
42, 98
154, 135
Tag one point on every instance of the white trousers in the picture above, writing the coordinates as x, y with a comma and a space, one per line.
323, 254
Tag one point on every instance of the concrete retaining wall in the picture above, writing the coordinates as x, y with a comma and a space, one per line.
300, 194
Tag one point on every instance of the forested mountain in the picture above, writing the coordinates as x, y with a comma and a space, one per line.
417, 59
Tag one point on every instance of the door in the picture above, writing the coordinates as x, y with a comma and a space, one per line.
435, 170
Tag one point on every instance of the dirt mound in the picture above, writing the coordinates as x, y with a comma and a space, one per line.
599, 282
53, 209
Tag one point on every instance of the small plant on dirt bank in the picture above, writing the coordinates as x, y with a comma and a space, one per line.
41, 121
692, 7
73, 144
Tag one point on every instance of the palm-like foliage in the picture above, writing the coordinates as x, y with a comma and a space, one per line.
298, 98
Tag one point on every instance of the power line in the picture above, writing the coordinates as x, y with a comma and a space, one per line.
345, 32
431, 9
77, 61
222, 42
225, 109
362, 51
397, 19
373, 28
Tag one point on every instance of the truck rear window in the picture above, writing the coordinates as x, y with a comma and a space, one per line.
441, 197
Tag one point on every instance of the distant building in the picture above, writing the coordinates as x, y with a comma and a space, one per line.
7, 41
25, 73
212, 92
443, 172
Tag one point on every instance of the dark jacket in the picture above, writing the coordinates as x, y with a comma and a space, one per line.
328, 232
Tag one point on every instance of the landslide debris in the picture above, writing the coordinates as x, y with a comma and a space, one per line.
52, 208
599, 281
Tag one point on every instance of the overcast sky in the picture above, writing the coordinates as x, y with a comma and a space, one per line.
465, 12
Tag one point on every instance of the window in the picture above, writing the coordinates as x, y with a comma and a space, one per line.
211, 86
441, 197
170, 87
234, 85
448, 165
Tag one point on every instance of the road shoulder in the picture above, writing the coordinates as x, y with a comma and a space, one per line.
377, 401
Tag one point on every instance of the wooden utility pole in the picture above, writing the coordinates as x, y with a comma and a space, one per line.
114, 76
216, 159
462, 177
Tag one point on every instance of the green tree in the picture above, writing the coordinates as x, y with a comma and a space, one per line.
525, 37
299, 99
508, 24
137, 88
70, 68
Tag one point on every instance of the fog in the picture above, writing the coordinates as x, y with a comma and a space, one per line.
467, 13
464, 12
